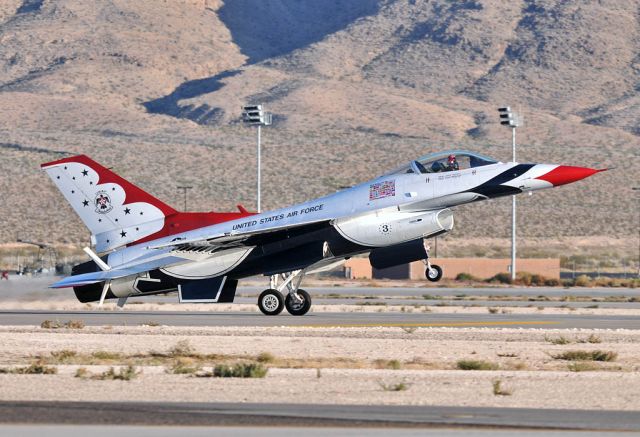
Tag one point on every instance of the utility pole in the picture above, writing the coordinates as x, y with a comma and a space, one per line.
637, 189
254, 115
184, 189
510, 119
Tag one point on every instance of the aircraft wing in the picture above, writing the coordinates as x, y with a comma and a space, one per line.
126, 270
247, 238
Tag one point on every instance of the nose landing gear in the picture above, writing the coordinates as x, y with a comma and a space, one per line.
297, 302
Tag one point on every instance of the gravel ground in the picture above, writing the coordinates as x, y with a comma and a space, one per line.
74, 305
427, 360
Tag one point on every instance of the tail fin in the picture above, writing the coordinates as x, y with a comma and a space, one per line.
115, 211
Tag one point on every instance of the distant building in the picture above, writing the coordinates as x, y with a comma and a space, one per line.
482, 268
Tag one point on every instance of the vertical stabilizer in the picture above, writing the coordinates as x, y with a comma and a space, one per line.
115, 211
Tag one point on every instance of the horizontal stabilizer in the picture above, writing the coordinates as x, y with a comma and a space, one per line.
114, 273
92, 278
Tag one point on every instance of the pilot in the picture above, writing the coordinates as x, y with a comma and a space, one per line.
453, 163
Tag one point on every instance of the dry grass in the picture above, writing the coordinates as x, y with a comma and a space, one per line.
34, 369
123, 374
394, 386
582, 366
56, 324
183, 366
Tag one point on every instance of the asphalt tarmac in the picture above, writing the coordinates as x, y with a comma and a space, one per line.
315, 416
346, 319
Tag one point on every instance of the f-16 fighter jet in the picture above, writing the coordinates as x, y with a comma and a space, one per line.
142, 246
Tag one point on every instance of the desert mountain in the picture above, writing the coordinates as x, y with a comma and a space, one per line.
154, 88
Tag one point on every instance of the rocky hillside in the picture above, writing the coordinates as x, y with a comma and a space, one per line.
153, 89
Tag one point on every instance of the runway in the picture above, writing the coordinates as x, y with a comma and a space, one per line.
346, 319
307, 415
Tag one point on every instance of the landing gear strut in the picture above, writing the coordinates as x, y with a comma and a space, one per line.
433, 272
297, 301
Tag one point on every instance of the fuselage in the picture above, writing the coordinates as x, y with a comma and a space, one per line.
368, 214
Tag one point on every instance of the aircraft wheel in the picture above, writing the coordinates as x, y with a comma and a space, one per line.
271, 302
295, 307
434, 273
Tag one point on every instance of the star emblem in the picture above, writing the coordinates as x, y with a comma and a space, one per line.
123, 234
127, 211
85, 172
85, 203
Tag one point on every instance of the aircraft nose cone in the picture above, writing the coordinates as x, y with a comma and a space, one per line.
565, 174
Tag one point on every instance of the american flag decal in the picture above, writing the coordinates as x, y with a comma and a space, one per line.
382, 189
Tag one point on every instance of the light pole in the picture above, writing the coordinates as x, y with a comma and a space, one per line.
256, 116
184, 189
510, 119
637, 189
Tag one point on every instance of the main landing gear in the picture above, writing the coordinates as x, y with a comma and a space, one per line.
432, 272
297, 301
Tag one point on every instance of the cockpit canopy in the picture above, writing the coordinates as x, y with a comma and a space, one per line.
451, 160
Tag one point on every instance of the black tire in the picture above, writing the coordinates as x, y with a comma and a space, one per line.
296, 308
435, 274
271, 302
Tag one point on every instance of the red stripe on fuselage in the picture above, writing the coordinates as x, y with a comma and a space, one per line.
187, 221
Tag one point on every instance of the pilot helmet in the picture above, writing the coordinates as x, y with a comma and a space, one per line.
452, 158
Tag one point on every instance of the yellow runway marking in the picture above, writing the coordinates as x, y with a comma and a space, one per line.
426, 325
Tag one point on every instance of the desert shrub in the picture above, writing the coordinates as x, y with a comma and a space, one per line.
63, 355
182, 349
581, 355
581, 366
501, 278
396, 386
50, 324
74, 324
557, 340
524, 278
582, 281
240, 370
476, 365
34, 369
81, 372
498, 390
265, 357
466, 277
183, 366
56, 324
123, 374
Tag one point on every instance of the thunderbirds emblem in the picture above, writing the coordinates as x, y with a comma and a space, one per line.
103, 202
